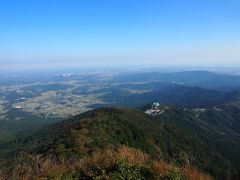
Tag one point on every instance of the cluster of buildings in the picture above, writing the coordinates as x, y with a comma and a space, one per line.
155, 109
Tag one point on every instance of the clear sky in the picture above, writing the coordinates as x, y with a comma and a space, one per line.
53, 33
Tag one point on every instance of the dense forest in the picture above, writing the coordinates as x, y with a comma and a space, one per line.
172, 145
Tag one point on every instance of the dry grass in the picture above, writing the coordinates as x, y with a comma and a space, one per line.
132, 155
95, 166
161, 166
194, 174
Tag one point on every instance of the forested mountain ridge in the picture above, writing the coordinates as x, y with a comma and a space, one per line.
176, 135
172, 94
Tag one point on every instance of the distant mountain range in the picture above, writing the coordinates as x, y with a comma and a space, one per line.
203, 79
172, 94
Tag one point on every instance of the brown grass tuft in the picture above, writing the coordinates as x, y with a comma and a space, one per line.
132, 155
161, 166
194, 174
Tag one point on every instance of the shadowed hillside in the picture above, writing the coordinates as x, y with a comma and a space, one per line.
66, 145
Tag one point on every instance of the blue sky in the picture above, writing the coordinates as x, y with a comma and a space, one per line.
119, 32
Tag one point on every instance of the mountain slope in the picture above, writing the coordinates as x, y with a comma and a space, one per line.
218, 126
103, 126
170, 94
93, 131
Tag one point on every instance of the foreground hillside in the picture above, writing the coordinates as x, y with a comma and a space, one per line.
217, 130
110, 163
107, 144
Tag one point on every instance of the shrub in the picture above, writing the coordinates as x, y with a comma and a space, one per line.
173, 174
128, 171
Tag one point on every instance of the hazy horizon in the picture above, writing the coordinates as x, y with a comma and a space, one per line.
67, 34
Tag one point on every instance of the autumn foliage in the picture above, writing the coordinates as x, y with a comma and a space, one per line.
111, 163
